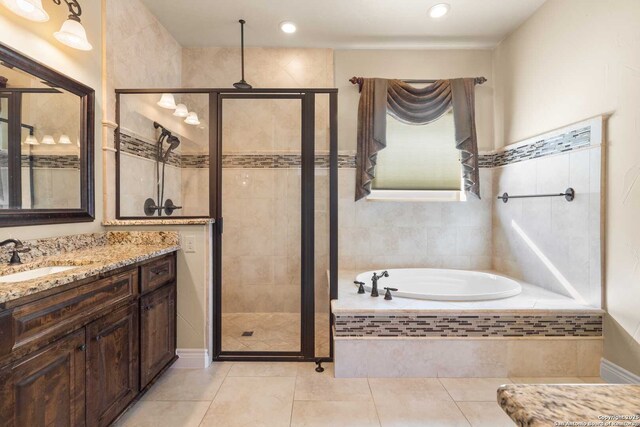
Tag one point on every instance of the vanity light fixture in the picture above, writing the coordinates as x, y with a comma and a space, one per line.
181, 111
192, 119
48, 140
29, 9
439, 10
72, 33
167, 101
288, 27
64, 140
31, 140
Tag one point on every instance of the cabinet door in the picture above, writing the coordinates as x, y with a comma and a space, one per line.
158, 331
112, 364
46, 388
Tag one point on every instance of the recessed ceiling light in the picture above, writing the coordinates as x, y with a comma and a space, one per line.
288, 27
439, 10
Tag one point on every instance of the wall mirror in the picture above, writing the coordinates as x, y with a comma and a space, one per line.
46, 144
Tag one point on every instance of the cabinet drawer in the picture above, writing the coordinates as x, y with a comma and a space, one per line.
49, 316
157, 273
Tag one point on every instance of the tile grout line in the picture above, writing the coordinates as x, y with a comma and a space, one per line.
375, 405
454, 401
226, 375
293, 398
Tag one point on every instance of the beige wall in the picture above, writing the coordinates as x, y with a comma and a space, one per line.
572, 60
37, 41
142, 54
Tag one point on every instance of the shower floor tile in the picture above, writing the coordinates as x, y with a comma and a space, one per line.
270, 332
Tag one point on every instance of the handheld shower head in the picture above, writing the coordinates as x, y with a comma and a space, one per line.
174, 142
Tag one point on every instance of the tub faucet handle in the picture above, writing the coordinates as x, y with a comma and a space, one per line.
360, 286
387, 295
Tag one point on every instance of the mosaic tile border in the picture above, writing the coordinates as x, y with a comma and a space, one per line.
44, 161
472, 325
132, 145
282, 161
568, 141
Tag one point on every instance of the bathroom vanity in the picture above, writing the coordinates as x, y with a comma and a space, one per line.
79, 352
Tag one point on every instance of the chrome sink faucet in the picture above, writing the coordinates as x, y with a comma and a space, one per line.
374, 282
18, 246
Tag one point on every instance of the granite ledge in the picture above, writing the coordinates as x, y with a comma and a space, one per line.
151, 222
545, 404
88, 263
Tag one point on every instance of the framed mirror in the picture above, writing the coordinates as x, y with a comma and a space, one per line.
46, 144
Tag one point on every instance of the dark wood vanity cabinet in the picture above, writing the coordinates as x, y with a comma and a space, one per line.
46, 388
112, 364
157, 332
82, 355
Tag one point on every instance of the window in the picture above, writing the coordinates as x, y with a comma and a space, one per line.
420, 161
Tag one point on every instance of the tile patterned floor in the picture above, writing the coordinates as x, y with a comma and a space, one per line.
271, 332
293, 394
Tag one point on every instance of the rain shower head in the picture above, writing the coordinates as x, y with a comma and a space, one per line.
242, 84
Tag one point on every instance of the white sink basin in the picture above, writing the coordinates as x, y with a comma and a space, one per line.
34, 274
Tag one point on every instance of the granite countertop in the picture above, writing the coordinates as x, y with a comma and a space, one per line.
533, 299
548, 405
89, 261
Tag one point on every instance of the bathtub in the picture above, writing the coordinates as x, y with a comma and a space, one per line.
443, 285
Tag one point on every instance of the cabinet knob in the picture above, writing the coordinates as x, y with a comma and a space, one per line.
98, 337
82, 347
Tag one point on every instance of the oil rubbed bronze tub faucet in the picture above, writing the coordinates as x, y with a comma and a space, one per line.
374, 282
18, 246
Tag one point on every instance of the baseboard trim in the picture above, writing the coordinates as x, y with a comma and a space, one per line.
192, 358
614, 374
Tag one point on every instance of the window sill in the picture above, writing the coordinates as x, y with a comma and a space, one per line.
416, 196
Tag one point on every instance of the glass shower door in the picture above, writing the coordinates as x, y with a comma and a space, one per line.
261, 283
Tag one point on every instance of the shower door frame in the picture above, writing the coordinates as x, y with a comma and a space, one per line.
308, 95
307, 283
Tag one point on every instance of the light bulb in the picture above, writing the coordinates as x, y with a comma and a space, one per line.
31, 140
48, 140
192, 119
73, 34
288, 27
167, 101
439, 10
181, 111
29, 9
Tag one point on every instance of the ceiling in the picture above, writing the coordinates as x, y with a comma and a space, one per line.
343, 24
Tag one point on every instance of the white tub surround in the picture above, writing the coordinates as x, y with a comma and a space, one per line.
445, 285
536, 333
548, 241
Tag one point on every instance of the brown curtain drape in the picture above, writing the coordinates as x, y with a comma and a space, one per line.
418, 106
